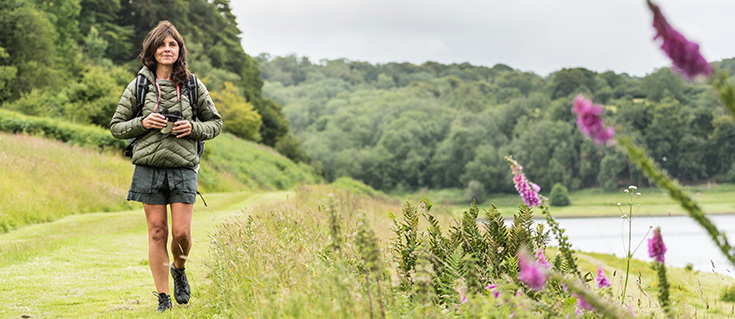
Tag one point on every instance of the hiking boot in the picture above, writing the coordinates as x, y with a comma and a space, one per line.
164, 301
181, 285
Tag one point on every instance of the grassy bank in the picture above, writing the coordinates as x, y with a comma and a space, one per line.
715, 199
44, 180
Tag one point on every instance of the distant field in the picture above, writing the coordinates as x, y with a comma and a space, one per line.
714, 199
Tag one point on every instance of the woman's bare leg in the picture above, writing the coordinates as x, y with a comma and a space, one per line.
158, 260
181, 232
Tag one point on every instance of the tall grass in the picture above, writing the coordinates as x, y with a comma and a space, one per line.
288, 260
280, 261
43, 180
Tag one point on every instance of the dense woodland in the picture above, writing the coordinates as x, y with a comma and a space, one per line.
400, 126
71, 59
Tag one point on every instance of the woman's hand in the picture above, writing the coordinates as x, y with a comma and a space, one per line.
154, 121
182, 128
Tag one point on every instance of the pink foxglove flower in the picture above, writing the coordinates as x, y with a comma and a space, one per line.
602, 281
589, 120
656, 247
527, 190
582, 303
530, 272
541, 259
683, 53
493, 288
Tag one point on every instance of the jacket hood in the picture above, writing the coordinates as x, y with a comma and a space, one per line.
148, 74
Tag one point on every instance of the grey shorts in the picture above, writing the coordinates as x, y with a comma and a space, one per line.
162, 186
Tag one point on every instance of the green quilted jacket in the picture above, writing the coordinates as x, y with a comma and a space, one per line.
164, 150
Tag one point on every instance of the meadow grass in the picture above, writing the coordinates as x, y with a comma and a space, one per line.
43, 180
276, 262
264, 255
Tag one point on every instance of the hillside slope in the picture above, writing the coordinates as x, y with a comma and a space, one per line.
43, 180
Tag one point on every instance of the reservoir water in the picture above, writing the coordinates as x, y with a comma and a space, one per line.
686, 241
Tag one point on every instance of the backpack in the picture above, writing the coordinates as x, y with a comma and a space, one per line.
141, 85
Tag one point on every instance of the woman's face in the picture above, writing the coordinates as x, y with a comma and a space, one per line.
168, 52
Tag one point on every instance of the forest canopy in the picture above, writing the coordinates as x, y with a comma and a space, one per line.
406, 126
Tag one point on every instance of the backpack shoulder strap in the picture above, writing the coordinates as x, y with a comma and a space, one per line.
192, 87
141, 89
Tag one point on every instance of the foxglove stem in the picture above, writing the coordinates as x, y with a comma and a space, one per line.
663, 293
657, 175
564, 246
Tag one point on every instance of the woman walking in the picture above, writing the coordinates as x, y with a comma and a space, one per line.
165, 152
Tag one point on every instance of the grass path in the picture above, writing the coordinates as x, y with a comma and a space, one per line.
95, 265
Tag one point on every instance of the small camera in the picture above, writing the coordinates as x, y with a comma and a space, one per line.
171, 118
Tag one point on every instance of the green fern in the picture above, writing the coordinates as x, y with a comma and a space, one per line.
496, 238
520, 232
406, 243
452, 270
423, 280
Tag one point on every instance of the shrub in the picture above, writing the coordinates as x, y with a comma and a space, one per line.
559, 195
728, 293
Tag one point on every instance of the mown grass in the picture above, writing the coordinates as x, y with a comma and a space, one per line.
95, 265
715, 199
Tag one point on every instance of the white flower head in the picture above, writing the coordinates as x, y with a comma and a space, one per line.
626, 191
619, 204
637, 194
633, 187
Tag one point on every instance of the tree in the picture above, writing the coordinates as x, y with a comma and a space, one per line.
241, 118
568, 81
27, 36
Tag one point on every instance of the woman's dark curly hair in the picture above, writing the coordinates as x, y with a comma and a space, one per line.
155, 39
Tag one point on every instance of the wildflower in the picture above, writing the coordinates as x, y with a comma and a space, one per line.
582, 303
527, 190
589, 120
656, 247
633, 187
683, 53
602, 281
493, 288
530, 272
541, 259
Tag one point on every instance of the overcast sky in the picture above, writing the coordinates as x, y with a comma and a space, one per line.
539, 36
